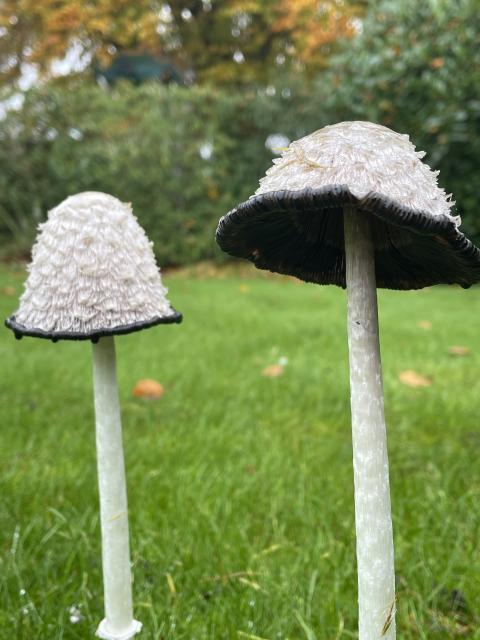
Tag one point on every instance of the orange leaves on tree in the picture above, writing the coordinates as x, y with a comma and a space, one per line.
313, 25
41, 31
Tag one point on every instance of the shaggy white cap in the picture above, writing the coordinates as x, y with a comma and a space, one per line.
365, 157
92, 269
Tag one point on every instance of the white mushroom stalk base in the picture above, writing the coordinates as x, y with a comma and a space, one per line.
118, 623
373, 520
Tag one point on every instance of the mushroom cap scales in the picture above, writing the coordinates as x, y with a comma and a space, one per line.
92, 274
293, 224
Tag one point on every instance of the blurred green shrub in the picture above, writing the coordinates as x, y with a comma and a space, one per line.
143, 145
415, 67
183, 157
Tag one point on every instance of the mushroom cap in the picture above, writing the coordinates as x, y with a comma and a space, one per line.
92, 274
294, 222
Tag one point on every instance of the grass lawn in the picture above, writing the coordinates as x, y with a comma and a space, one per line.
240, 485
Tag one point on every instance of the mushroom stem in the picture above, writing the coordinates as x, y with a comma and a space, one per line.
118, 623
373, 519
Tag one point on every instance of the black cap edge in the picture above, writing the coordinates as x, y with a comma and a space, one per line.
20, 330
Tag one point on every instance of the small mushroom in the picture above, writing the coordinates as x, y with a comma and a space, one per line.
93, 275
353, 205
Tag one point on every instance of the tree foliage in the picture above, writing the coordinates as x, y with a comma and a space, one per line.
220, 40
313, 27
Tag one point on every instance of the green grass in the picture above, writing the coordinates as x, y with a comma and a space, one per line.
240, 486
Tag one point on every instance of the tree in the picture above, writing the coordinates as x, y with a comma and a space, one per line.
221, 40
313, 27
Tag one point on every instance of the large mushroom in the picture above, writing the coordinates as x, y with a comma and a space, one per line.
93, 276
353, 205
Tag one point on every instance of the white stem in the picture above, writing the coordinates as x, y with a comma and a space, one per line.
373, 519
117, 580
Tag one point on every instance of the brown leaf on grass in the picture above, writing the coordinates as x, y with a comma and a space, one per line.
424, 324
149, 389
413, 379
458, 350
273, 371
8, 291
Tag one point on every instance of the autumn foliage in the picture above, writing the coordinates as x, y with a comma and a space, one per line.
220, 40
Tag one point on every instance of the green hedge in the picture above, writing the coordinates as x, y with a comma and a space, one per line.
142, 144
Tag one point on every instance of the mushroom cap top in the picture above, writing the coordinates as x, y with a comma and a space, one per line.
293, 223
92, 274
364, 157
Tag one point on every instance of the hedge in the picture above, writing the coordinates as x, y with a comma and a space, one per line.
144, 145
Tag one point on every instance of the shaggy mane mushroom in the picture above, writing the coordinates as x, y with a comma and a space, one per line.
93, 276
353, 205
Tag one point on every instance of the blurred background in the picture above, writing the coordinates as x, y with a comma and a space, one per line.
179, 107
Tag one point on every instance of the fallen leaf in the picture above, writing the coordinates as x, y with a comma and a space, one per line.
244, 288
149, 389
413, 379
424, 324
8, 291
273, 371
458, 350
